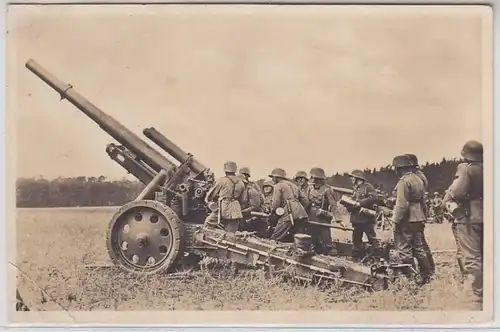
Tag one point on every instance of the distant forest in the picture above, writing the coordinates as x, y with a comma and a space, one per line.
98, 191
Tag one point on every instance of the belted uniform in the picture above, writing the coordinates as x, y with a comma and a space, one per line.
321, 199
409, 219
229, 193
365, 194
467, 191
287, 195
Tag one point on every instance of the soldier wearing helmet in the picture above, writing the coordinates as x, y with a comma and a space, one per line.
252, 203
426, 206
245, 171
409, 217
301, 180
322, 209
437, 206
364, 193
267, 187
287, 195
229, 194
464, 200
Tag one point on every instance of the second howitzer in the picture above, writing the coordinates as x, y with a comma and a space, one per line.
164, 224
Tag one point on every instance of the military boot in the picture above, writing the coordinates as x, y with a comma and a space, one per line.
425, 271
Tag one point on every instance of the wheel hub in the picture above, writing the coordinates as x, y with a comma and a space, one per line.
143, 237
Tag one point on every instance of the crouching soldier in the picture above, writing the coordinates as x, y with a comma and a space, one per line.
322, 209
229, 194
288, 196
252, 203
364, 193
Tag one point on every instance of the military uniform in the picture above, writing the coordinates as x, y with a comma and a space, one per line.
467, 191
321, 200
418, 172
252, 203
365, 194
268, 198
229, 194
409, 217
287, 195
245, 171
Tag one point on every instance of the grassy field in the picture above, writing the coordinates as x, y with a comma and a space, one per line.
54, 245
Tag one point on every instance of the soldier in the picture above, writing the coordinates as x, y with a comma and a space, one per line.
437, 204
418, 172
287, 195
252, 203
267, 187
365, 194
245, 171
459, 253
322, 208
301, 180
464, 200
409, 217
229, 194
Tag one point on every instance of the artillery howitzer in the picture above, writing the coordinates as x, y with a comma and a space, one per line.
152, 233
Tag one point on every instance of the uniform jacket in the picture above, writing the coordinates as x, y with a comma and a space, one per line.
253, 199
467, 190
409, 199
366, 195
268, 203
229, 192
287, 191
321, 197
422, 176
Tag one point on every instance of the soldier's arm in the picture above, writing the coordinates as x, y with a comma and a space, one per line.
303, 199
213, 192
332, 202
460, 186
276, 202
402, 202
371, 197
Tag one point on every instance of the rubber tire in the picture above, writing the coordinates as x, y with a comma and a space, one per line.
175, 224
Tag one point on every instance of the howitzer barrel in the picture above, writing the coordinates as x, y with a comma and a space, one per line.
342, 190
106, 122
172, 149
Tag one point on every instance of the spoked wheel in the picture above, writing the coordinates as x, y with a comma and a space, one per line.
144, 237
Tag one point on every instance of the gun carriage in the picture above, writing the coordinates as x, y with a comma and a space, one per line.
154, 232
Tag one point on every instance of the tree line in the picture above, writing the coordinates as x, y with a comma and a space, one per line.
99, 191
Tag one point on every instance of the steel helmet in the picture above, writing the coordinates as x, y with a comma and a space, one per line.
401, 161
412, 158
301, 174
358, 174
242, 178
317, 173
230, 166
268, 183
473, 151
245, 170
278, 173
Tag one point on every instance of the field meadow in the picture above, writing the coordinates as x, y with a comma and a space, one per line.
59, 251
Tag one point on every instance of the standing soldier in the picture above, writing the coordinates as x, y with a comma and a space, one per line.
464, 201
301, 180
418, 172
365, 194
409, 217
287, 195
323, 207
229, 194
252, 203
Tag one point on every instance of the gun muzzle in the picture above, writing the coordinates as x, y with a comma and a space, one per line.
259, 214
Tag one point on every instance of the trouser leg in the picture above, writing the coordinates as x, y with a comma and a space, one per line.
369, 229
357, 241
402, 242
281, 230
417, 231
460, 256
470, 237
428, 252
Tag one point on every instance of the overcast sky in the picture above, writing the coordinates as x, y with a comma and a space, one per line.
290, 87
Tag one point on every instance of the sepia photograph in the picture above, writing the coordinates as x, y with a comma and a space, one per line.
250, 164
